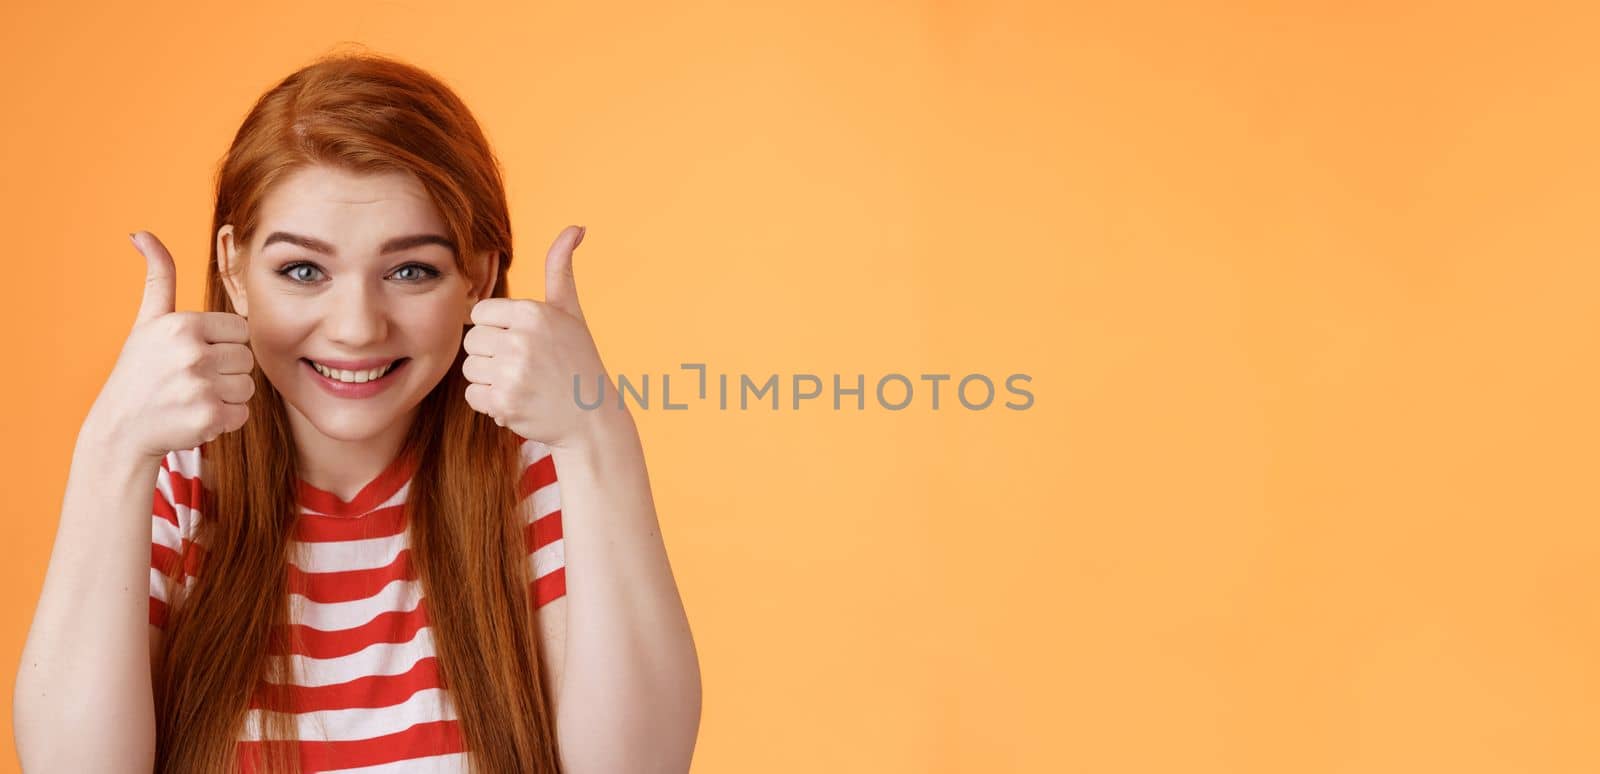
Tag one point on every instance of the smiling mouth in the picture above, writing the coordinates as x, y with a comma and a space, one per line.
351, 377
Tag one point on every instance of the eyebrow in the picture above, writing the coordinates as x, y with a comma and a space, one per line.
391, 246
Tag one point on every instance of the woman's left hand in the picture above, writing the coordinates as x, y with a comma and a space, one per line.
523, 355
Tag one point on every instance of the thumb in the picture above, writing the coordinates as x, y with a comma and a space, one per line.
160, 279
560, 287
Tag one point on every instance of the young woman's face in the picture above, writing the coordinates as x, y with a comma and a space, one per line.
347, 267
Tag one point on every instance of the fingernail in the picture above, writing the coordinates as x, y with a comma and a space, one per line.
581, 231
132, 239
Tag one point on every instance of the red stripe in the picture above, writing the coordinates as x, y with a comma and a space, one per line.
383, 522
543, 531
161, 509
347, 585
379, 489
419, 741
163, 558
391, 627
371, 692
186, 490
538, 474
549, 587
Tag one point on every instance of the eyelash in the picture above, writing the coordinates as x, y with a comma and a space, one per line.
432, 273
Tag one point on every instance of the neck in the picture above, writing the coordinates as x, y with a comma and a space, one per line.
344, 466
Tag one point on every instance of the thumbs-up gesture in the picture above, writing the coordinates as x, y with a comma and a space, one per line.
183, 378
523, 356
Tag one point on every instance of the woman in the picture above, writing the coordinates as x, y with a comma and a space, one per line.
361, 557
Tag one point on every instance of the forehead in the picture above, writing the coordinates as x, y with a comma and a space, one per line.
354, 211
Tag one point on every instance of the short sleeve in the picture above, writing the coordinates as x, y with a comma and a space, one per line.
540, 501
174, 508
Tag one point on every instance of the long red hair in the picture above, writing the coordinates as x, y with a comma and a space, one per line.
364, 113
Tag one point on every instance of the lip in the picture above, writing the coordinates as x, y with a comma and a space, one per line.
364, 390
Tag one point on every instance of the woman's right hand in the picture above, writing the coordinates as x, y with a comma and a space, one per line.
183, 378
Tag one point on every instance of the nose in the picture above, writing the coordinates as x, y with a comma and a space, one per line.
357, 316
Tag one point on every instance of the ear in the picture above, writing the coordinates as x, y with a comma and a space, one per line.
490, 260
230, 262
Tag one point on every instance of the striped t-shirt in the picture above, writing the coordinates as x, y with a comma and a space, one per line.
367, 694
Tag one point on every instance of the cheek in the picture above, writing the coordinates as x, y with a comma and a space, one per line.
437, 329
270, 337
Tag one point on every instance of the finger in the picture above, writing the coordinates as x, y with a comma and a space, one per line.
230, 358
499, 312
234, 415
234, 388
224, 327
560, 286
160, 277
477, 396
485, 340
479, 369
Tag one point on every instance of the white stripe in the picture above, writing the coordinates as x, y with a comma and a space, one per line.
532, 451
345, 555
158, 588
184, 513
164, 485
454, 763
399, 594
158, 585
185, 461
379, 658
545, 500
548, 559
165, 533
347, 725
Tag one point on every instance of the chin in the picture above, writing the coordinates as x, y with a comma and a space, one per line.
344, 426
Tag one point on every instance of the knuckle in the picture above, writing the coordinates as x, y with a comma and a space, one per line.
197, 388
192, 357
204, 418
185, 322
170, 325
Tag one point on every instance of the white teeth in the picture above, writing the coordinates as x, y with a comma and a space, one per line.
354, 377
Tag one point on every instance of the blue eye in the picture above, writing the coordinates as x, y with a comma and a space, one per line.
285, 271
428, 272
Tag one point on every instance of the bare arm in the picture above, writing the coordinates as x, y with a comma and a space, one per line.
630, 688
628, 693
83, 699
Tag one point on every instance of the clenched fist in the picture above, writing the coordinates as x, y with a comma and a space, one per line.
183, 378
523, 356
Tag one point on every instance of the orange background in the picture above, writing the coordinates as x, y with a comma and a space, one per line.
1305, 289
